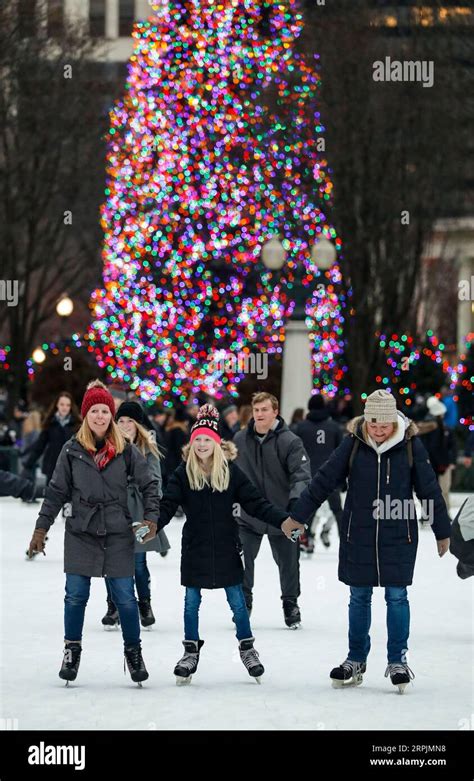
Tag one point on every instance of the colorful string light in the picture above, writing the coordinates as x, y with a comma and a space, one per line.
201, 171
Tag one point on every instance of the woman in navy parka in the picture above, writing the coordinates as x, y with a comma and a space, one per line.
384, 463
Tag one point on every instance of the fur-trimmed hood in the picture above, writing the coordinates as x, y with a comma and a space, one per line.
229, 449
354, 426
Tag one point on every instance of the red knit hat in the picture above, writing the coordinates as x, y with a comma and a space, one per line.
97, 395
207, 423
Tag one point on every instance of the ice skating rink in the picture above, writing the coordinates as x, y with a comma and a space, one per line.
295, 692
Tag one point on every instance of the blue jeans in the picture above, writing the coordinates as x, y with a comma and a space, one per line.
236, 600
398, 623
123, 595
142, 578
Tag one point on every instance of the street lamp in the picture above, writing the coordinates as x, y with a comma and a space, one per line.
64, 307
297, 378
273, 254
323, 254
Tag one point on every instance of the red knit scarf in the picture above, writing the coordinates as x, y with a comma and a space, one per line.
103, 456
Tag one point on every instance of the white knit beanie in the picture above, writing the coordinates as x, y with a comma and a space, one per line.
380, 407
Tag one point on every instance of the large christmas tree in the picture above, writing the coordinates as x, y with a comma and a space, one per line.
202, 170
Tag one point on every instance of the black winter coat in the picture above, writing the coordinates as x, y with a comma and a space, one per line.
440, 445
210, 548
320, 435
98, 539
50, 442
377, 548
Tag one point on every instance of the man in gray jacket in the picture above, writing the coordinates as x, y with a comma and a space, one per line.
275, 460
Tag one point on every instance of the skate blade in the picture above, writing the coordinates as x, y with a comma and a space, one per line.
294, 626
402, 687
139, 684
109, 628
258, 679
336, 684
180, 681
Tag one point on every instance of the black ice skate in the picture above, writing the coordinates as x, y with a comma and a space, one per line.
146, 613
347, 674
135, 663
71, 661
250, 658
325, 538
188, 663
400, 675
111, 619
292, 613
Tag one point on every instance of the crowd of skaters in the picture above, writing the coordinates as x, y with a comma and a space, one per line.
284, 474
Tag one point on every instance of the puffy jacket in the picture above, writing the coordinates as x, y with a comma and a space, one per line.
379, 539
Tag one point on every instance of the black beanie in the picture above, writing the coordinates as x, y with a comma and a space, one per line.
133, 410
316, 402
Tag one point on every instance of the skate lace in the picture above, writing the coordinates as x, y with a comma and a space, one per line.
134, 657
188, 660
250, 657
352, 667
398, 667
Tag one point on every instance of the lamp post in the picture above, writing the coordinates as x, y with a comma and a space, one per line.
297, 377
64, 308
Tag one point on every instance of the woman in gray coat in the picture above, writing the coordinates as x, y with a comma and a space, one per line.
133, 424
92, 473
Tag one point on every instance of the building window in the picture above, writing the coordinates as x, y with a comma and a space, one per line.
97, 18
55, 18
127, 17
26, 18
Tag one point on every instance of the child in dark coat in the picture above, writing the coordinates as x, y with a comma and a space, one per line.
210, 487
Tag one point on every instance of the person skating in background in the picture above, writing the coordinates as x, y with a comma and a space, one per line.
61, 422
245, 415
296, 418
211, 488
133, 424
92, 472
31, 433
468, 448
384, 463
320, 435
229, 421
462, 539
176, 436
274, 459
20, 413
159, 418
440, 443
7, 440
451, 418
